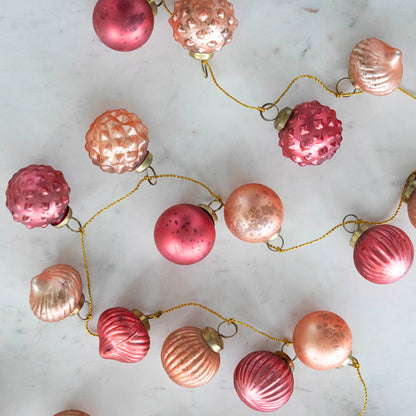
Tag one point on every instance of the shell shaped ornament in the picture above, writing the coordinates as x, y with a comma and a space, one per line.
72, 413
56, 293
117, 141
122, 335
375, 67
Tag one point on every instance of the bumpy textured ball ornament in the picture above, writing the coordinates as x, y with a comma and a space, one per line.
311, 135
253, 213
376, 67
71, 413
123, 336
117, 141
263, 381
37, 196
184, 234
123, 25
383, 254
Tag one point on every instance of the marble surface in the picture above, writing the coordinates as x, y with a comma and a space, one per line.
56, 77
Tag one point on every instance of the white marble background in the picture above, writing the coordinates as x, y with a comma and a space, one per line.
56, 77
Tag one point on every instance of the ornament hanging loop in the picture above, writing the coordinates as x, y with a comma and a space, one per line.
219, 202
88, 315
152, 179
341, 93
229, 322
276, 248
204, 68
77, 230
356, 221
266, 107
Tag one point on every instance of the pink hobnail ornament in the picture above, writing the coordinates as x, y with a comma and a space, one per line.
71, 413
37, 196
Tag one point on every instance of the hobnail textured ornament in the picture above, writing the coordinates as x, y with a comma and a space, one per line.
411, 208
56, 293
263, 381
123, 336
383, 254
37, 196
311, 135
117, 141
376, 67
71, 413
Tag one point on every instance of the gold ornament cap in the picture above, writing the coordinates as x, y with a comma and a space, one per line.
410, 187
66, 220
213, 339
145, 164
79, 306
348, 361
274, 236
153, 5
201, 56
286, 358
210, 211
358, 233
282, 118
143, 318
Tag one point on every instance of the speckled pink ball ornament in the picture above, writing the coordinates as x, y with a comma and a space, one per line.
71, 413
37, 196
309, 134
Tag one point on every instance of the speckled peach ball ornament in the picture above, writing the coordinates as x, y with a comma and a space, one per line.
71, 413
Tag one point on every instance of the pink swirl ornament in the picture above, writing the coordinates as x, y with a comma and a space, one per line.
376, 67
37, 196
56, 293
311, 135
411, 208
383, 254
123, 337
263, 381
117, 141
71, 413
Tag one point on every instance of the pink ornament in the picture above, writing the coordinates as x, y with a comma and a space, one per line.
123, 337
117, 141
38, 195
184, 234
376, 67
322, 340
411, 208
203, 26
71, 413
263, 381
253, 213
383, 254
123, 25
311, 135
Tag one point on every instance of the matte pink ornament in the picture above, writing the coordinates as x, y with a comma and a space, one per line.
122, 335
184, 234
71, 413
376, 67
263, 381
411, 208
38, 195
322, 340
311, 135
123, 25
117, 141
253, 213
203, 26
383, 254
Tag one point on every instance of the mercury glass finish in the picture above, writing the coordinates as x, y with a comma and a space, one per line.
71, 413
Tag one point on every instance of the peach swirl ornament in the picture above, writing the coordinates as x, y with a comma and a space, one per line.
56, 293
117, 141
72, 413
375, 67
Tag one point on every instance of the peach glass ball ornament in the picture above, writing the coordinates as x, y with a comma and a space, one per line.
71, 413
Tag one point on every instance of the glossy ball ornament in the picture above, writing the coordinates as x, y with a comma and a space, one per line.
263, 381
117, 141
375, 67
383, 254
253, 213
123, 25
322, 340
411, 208
37, 196
311, 135
184, 234
71, 413
123, 336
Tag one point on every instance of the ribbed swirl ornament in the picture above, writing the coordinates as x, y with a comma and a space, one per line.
71, 413
187, 358
122, 335
383, 254
263, 381
55, 293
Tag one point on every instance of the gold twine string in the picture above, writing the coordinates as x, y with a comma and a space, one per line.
357, 366
166, 7
407, 93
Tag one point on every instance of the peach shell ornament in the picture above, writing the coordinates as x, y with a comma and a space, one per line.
72, 413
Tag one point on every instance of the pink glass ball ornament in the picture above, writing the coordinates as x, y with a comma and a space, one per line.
123, 25
56, 293
72, 413
117, 142
383, 254
37, 196
253, 213
203, 26
264, 381
123, 335
322, 340
309, 134
185, 234
375, 67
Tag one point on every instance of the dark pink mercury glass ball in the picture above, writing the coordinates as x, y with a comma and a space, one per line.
184, 234
383, 254
123, 25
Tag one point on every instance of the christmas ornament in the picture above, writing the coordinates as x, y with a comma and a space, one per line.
409, 196
56, 293
264, 381
124, 25
71, 413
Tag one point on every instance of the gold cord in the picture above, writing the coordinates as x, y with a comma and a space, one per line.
357, 366
166, 7
407, 93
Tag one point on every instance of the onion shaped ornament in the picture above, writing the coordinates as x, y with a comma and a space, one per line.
71, 413
56, 293
123, 335
375, 67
